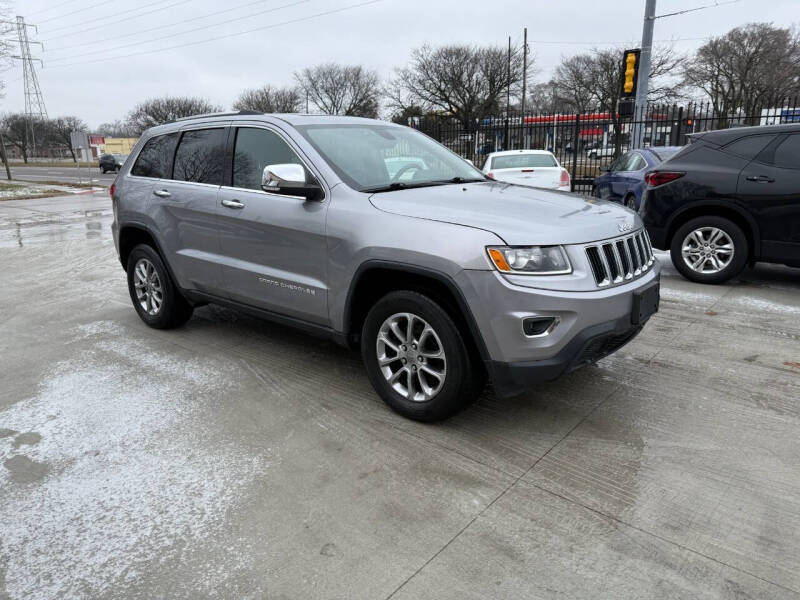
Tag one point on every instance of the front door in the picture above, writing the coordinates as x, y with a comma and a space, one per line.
770, 187
273, 245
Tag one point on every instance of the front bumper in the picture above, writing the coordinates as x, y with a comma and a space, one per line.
591, 325
590, 345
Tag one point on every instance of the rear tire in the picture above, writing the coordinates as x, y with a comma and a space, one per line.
401, 366
630, 202
157, 300
709, 250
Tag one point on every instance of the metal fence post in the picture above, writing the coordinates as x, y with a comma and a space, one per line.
575, 138
678, 129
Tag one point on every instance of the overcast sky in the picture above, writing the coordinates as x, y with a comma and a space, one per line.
266, 41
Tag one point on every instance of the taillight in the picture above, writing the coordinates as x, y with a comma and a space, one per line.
490, 175
565, 181
656, 178
111, 191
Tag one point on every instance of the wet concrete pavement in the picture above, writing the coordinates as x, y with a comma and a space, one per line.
238, 458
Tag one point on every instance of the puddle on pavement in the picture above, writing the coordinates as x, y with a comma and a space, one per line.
21, 232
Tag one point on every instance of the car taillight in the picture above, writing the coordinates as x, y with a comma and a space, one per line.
490, 175
656, 178
111, 191
565, 181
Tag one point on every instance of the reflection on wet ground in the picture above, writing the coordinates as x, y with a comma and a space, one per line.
50, 221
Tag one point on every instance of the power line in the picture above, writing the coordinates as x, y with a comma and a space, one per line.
158, 38
49, 8
688, 10
229, 35
82, 25
73, 12
168, 25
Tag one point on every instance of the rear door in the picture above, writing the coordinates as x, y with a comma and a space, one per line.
770, 187
185, 207
274, 245
630, 173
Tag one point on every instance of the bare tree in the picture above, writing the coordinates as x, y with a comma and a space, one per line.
117, 128
463, 81
747, 67
16, 131
59, 130
270, 99
164, 110
593, 80
341, 89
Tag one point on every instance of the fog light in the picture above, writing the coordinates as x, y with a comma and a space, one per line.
538, 326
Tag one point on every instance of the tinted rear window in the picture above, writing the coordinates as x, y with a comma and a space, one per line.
749, 147
523, 161
155, 158
201, 156
787, 155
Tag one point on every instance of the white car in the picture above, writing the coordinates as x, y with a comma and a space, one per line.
536, 168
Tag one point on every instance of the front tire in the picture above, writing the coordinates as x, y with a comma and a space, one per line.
154, 295
709, 250
416, 358
630, 202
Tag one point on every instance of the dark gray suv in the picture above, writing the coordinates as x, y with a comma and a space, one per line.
382, 239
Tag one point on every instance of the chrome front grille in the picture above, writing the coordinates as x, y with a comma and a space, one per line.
621, 259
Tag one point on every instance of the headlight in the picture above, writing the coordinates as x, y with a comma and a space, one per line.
531, 260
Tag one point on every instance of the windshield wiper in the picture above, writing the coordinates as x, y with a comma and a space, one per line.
399, 185
465, 180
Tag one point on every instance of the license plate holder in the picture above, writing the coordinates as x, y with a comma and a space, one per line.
645, 303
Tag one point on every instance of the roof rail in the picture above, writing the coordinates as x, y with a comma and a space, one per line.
221, 114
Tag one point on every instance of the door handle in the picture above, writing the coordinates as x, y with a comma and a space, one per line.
760, 179
232, 204
162, 193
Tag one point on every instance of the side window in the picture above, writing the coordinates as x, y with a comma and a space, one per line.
617, 164
749, 147
787, 155
624, 162
155, 159
636, 162
200, 156
254, 150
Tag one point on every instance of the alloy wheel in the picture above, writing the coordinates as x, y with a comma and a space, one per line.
149, 292
411, 357
707, 250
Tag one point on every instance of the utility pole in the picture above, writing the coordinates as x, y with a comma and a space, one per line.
640, 110
524, 81
34, 100
506, 139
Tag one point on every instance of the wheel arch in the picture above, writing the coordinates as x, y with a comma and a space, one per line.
375, 278
718, 209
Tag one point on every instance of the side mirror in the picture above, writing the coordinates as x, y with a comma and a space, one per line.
289, 179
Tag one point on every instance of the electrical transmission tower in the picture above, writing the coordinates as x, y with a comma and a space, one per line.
35, 110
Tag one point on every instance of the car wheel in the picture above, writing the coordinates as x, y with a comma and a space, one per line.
154, 295
630, 202
709, 250
416, 358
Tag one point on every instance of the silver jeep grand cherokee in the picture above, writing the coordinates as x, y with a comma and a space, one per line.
380, 238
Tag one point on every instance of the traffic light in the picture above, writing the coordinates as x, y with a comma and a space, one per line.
630, 73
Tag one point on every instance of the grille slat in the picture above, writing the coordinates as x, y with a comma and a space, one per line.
620, 259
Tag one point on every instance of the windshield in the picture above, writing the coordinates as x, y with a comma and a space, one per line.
523, 161
379, 157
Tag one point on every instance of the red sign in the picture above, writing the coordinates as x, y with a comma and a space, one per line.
97, 140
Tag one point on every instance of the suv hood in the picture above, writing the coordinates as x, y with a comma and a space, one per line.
518, 214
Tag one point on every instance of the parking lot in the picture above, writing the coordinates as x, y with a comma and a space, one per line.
239, 458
